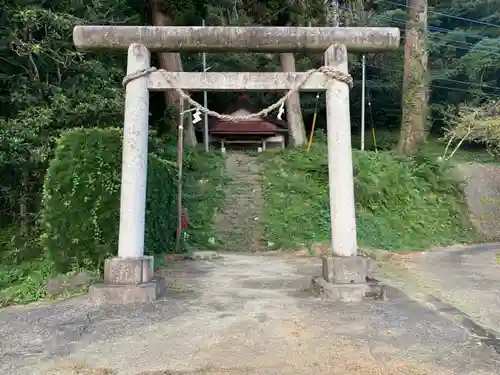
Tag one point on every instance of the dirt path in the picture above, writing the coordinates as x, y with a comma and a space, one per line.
240, 315
482, 191
240, 221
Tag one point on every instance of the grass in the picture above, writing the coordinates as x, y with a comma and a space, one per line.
24, 271
24, 282
401, 204
435, 147
468, 153
204, 192
204, 181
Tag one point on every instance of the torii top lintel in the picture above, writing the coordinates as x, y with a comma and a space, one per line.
236, 39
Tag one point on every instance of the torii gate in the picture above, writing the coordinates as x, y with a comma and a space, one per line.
129, 276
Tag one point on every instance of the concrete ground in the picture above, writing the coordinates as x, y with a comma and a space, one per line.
482, 193
467, 278
242, 314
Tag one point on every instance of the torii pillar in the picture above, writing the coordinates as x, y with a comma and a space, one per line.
129, 276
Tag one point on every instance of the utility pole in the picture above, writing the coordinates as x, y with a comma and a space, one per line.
415, 80
180, 162
205, 102
332, 10
180, 132
363, 87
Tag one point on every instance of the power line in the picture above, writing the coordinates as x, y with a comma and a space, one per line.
473, 47
369, 97
448, 80
403, 22
437, 28
468, 34
440, 79
445, 14
489, 95
494, 51
463, 90
468, 83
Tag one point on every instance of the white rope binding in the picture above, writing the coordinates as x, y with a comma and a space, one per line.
330, 72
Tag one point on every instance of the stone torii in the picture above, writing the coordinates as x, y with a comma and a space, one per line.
129, 276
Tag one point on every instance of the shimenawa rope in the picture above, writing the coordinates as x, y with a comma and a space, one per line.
330, 72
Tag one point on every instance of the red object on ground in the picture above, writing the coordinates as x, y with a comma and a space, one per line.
184, 221
185, 218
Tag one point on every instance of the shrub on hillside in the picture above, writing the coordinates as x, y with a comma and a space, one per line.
203, 192
81, 200
384, 140
477, 125
401, 203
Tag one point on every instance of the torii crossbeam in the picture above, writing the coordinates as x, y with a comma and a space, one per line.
236, 39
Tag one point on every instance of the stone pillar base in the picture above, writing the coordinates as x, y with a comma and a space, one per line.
345, 270
123, 294
346, 279
128, 280
347, 292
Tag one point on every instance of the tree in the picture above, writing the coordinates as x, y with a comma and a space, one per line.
415, 80
296, 12
294, 118
46, 87
172, 62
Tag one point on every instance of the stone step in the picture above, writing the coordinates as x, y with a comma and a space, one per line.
244, 203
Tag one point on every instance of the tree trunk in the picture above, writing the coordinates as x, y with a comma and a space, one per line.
172, 63
415, 80
293, 110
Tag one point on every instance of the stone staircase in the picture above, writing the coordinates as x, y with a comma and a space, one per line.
240, 221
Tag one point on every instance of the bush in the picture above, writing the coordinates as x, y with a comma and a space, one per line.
203, 193
17, 247
384, 140
81, 200
25, 282
478, 125
401, 203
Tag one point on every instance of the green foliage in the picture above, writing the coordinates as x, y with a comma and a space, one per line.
203, 195
47, 87
23, 271
81, 200
384, 140
466, 153
203, 189
24, 282
401, 204
479, 125
16, 247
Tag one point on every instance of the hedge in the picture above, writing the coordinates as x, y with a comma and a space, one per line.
81, 200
